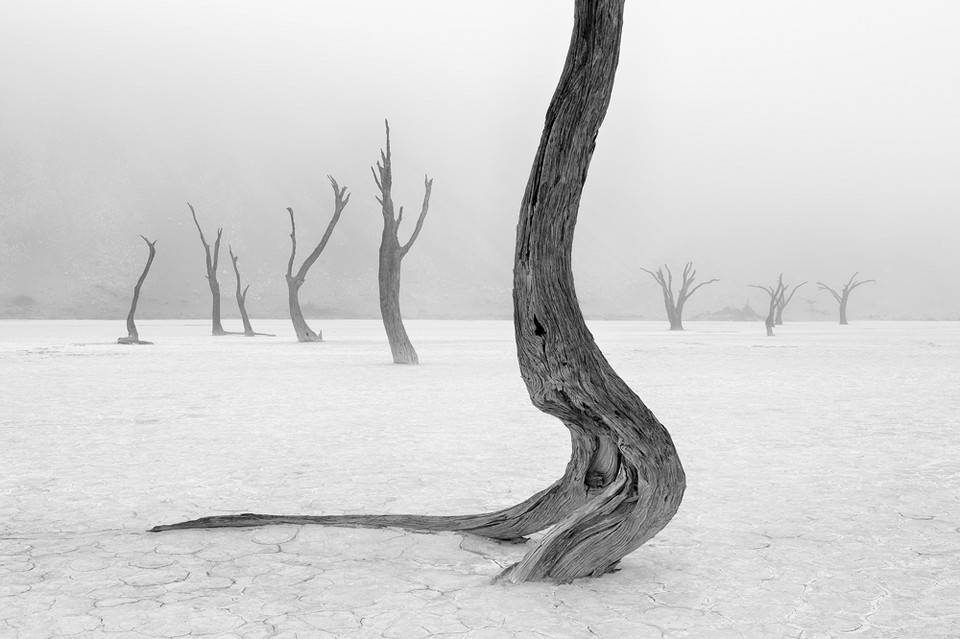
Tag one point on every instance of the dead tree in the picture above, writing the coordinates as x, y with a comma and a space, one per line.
392, 253
294, 282
675, 306
212, 261
133, 337
783, 300
844, 295
242, 299
624, 481
775, 293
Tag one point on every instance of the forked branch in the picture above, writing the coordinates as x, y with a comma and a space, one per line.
674, 305
341, 198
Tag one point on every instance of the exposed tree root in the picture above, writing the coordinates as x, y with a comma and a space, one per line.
129, 340
624, 481
534, 514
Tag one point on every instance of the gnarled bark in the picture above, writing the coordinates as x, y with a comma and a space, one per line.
241, 295
294, 282
624, 481
212, 260
844, 295
133, 337
673, 305
392, 254
776, 294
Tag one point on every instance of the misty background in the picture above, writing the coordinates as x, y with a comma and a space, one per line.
817, 139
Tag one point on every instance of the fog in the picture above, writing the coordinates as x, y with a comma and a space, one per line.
815, 139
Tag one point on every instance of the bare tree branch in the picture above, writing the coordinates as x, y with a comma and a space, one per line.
658, 276
216, 249
427, 187
341, 199
824, 287
694, 289
768, 289
293, 241
203, 240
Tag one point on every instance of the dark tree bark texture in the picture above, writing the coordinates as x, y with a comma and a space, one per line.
392, 254
213, 257
295, 281
844, 295
673, 305
133, 337
624, 481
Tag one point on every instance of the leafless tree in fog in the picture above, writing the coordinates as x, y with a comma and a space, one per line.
624, 481
242, 298
133, 337
783, 300
294, 282
675, 305
776, 294
391, 255
844, 295
212, 261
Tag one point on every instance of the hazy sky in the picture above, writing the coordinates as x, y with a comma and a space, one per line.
816, 138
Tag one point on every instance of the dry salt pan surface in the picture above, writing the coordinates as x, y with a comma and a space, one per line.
823, 469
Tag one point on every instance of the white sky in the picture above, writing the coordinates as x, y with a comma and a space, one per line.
818, 138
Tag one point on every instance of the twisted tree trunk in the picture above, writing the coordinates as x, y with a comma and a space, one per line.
628, 468
624, 481
391, 256
133, 337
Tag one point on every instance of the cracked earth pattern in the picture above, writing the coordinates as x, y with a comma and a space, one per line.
823, 469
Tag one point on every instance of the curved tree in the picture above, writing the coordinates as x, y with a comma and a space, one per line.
776, 294
392, 253
294, 282
241, 295
133, 337
624, 481
783, 300
212, 259
673, 305
844, 295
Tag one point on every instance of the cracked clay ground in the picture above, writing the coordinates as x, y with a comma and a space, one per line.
823, 469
